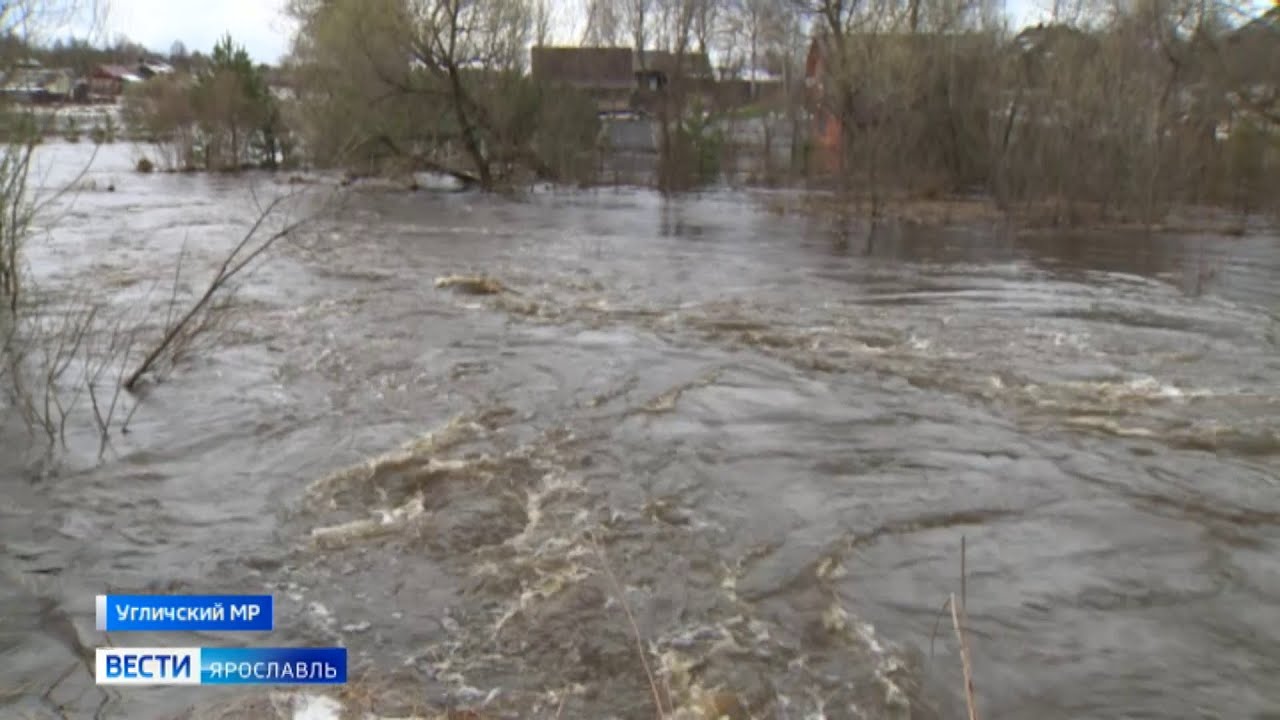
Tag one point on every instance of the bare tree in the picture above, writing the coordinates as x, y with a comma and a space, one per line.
25, 24
543, 21
604, 23
178, 54
54, 352
15, 217
755, 28
707, 21
426, 81
639, 18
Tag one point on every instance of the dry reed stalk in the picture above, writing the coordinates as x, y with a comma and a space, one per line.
959, 620
964, 659
635, 628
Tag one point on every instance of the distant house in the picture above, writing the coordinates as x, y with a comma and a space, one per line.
148, 69
56, 86
31, 83
621, 80
605, 74
108, 81
829, 110
656, 68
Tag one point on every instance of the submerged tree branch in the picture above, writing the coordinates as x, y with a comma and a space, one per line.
196, 317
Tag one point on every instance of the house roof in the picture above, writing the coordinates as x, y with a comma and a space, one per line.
601, 68
116, 72
693, 64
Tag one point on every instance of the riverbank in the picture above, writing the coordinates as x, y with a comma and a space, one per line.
97, 123
801, 200
984, 212
972, 211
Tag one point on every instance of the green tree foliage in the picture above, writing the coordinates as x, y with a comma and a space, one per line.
236, 110
225, 118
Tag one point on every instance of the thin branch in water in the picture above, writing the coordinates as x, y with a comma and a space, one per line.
177, 279
48, 694
937, 623
197, 318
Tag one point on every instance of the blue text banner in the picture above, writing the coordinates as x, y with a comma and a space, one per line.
184, 613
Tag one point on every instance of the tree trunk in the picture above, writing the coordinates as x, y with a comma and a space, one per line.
467, 126
235, 147
666, 173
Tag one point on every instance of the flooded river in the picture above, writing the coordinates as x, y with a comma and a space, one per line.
749, 438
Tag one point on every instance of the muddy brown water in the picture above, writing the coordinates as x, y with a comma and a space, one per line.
767, 433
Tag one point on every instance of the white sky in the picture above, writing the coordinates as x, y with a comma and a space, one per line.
262, 27
259, 25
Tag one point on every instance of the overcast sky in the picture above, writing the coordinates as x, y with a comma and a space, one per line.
261, 26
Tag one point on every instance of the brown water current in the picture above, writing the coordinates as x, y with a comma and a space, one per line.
758, 436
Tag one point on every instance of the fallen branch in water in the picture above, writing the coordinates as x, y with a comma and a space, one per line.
199, 317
